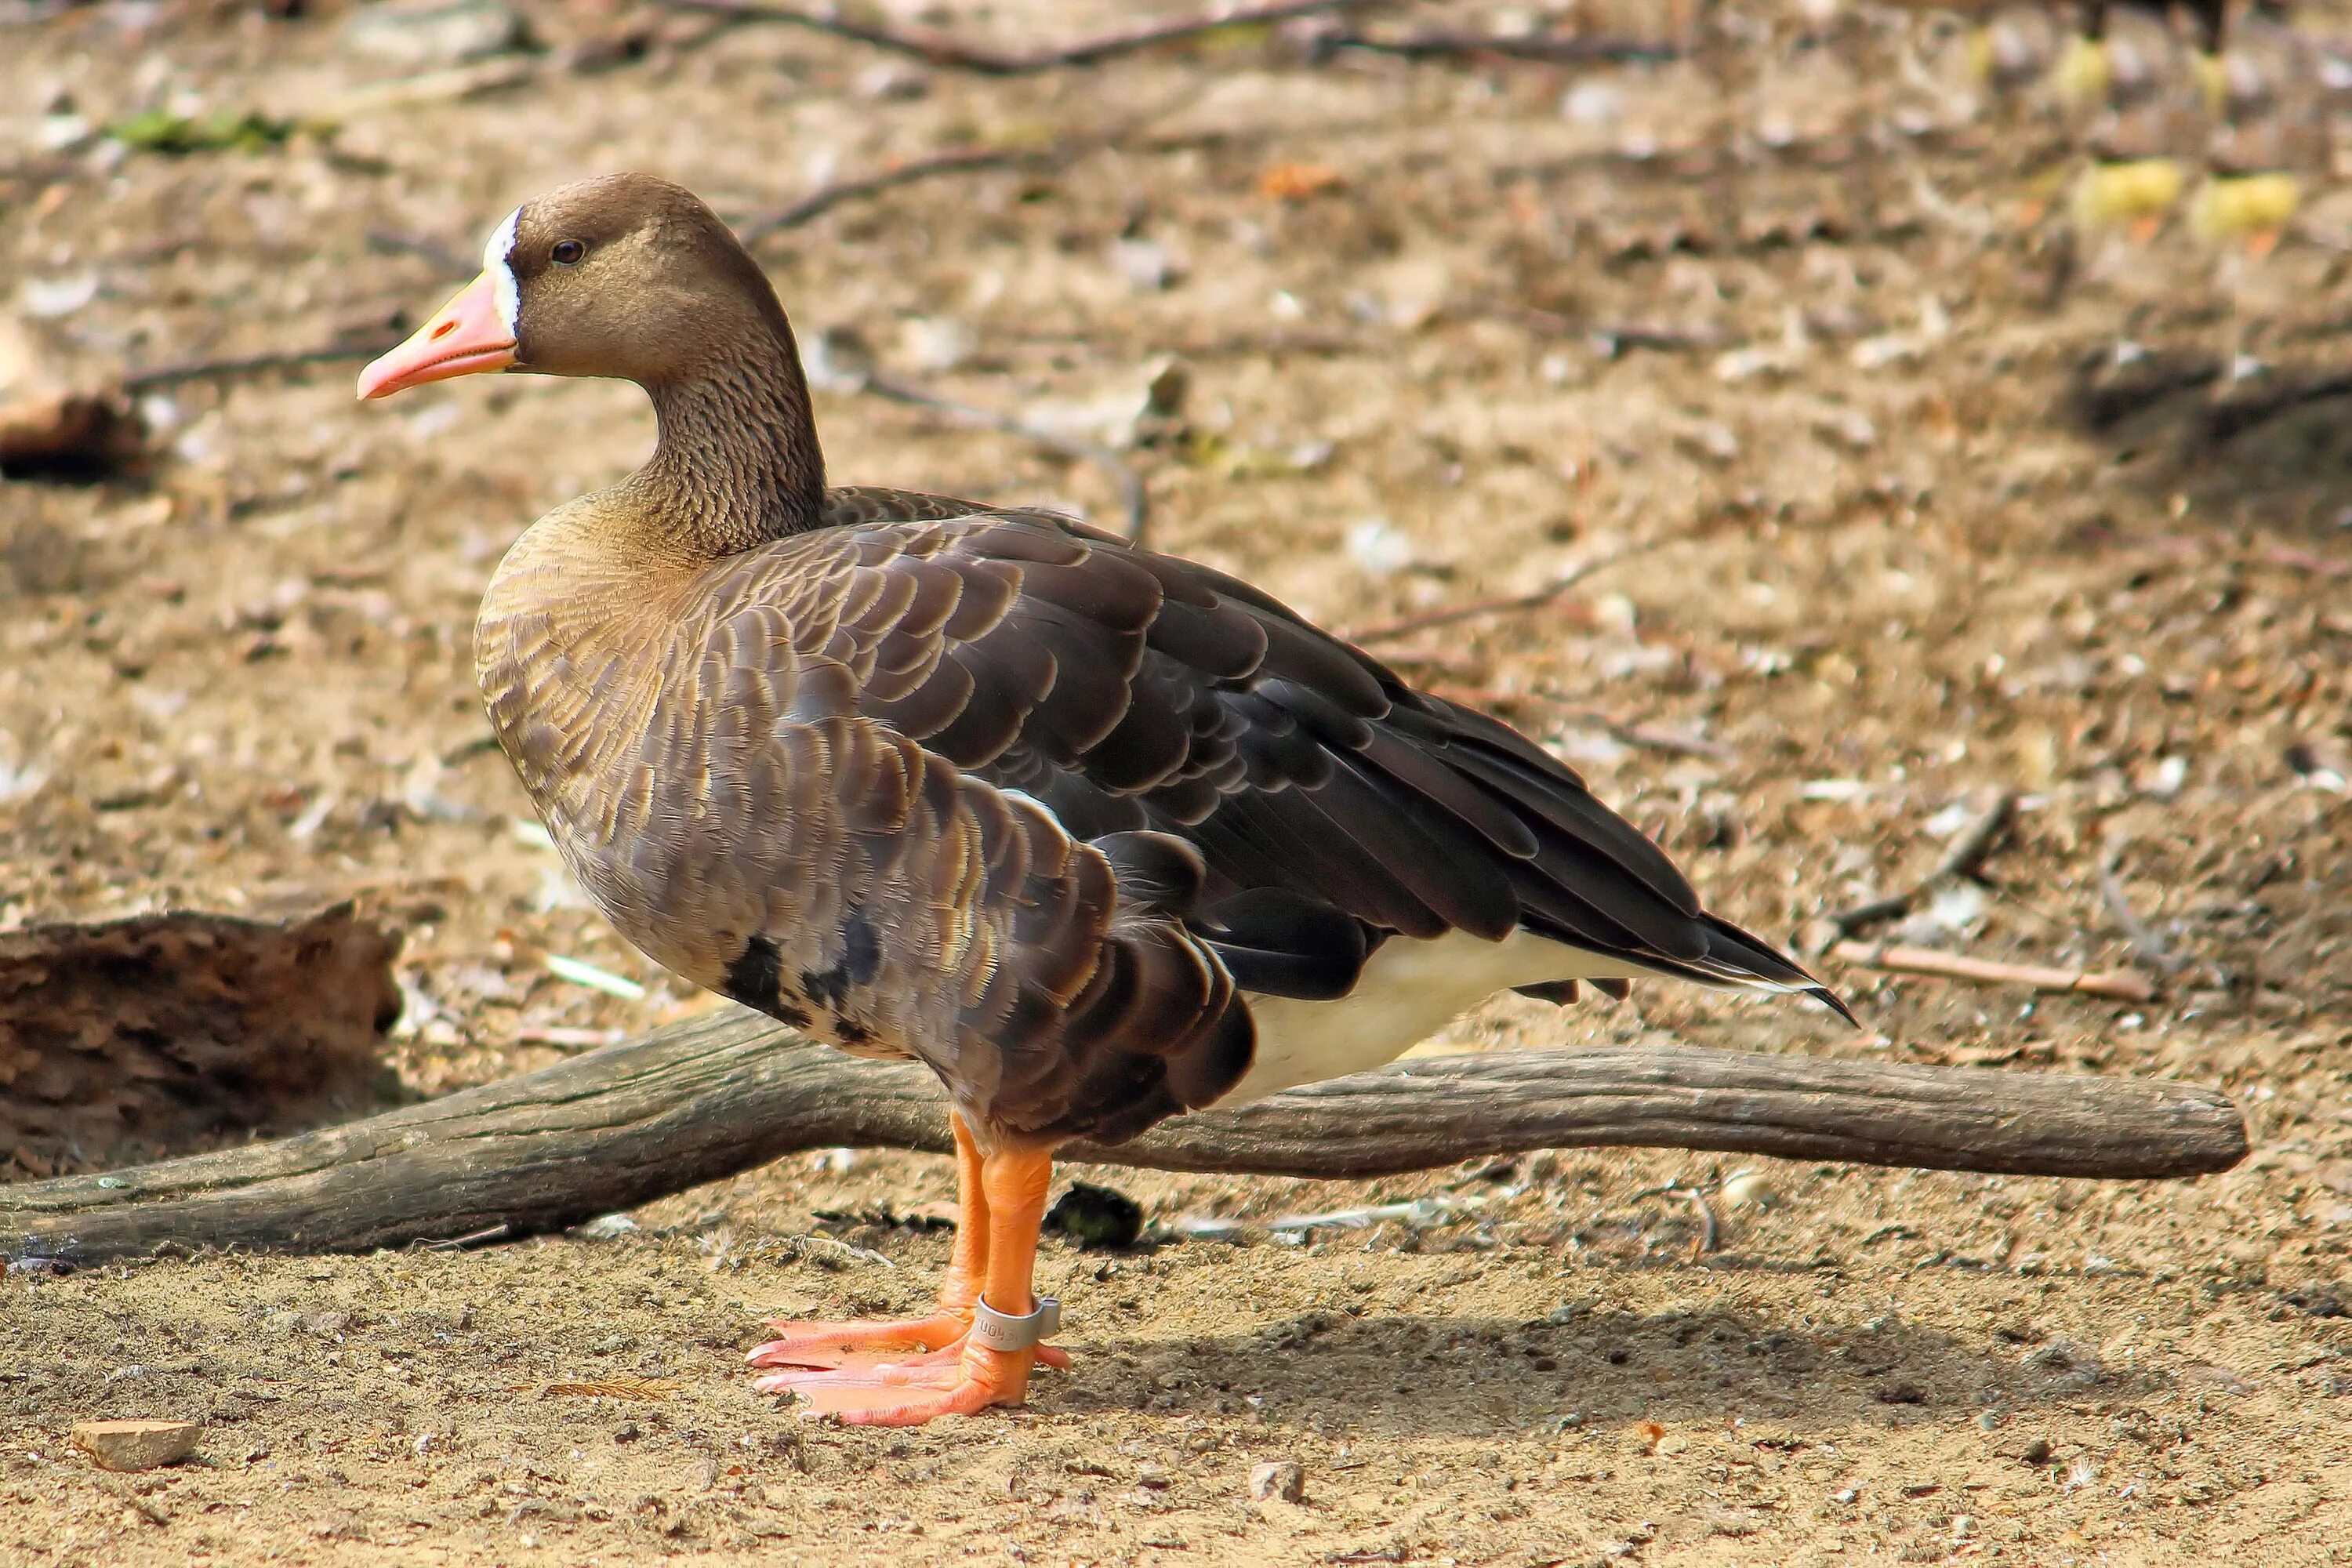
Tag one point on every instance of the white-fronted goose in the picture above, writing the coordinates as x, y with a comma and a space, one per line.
1098, 836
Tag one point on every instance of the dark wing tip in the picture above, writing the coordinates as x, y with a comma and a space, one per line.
1831, 1000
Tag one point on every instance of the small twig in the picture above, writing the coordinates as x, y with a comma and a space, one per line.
1552, 49
938, 48
2227, 419
2298, 560
1418, 1214
1964, 859
1056, 155
1652, 737
457, 1243
1709, 1231
828, 1253
125, 1494
252, 365
2145, 943
2117, 985
1134, 498
1508, 603
960, 161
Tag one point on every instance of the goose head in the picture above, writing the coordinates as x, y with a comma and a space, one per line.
624, 275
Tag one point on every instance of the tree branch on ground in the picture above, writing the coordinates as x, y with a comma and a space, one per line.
719, 1094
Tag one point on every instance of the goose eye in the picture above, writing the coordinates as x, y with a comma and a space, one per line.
568, 252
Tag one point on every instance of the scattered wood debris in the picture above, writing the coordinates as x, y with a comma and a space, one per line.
2118, 985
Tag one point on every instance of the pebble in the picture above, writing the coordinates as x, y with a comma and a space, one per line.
136, 1445
1147, 265
435, 34
1278, 1481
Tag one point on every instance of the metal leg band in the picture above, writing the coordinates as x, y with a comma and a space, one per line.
999, 1331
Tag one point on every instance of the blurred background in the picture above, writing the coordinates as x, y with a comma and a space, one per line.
1902, 456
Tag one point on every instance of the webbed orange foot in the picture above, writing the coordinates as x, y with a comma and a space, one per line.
909, 1396
859, 1344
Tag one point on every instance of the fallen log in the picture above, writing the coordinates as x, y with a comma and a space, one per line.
719, 1094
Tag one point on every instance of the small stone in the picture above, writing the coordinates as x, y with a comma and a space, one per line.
1155, 1477
136, 1445
1147, 265
1278, 1481
1749, 1190
605, 1226
433, 35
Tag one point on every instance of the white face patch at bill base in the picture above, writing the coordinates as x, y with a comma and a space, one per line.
498, 265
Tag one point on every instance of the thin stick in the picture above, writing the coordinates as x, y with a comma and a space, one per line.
1965, 859
2117, 985
2149, 946
958, 160
2228, 418
458, 1243
1637, 732
1134, 498
1508, 603
251, 364
1550, 49
1710, 1233
938, 48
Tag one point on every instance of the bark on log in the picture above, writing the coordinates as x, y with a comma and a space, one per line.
719, 1094
136, 1038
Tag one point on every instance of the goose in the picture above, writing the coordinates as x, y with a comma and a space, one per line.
1099, 835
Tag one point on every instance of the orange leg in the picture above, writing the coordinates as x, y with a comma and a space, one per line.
1013, 1184
869, 1344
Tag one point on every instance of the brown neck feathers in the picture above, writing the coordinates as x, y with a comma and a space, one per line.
738, 462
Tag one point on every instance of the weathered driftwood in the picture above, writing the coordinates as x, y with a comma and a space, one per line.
716, 1095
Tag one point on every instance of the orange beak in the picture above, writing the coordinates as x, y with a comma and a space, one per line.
468, 334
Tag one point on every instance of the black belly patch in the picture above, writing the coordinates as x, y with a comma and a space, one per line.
756, 979
861, 950
861, 961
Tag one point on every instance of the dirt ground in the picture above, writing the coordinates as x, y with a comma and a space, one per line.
1910, 489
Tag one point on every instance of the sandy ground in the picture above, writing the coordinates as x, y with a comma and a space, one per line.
1886, 536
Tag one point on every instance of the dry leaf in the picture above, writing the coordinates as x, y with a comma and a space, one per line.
1297, 182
